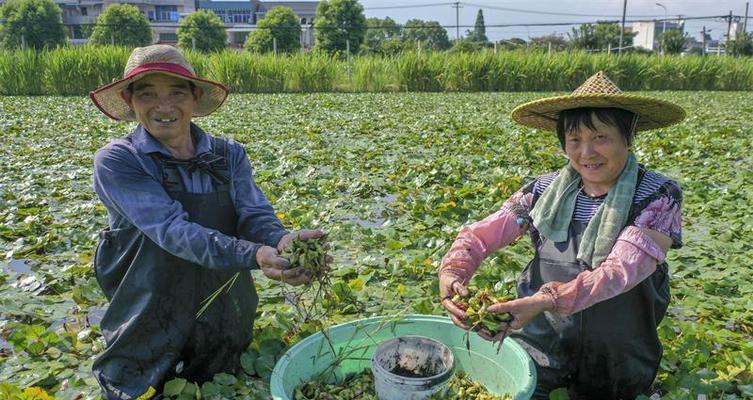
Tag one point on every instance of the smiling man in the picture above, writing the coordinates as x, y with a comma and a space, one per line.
185, 216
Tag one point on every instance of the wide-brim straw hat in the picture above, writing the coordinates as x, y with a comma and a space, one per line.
156, 59
599, 91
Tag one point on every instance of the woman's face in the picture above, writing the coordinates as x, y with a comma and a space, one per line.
598, 155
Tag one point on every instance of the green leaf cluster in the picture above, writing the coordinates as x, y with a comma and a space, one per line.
121, 25
202, 31
36, 24
392, 178
280, 24
337, 23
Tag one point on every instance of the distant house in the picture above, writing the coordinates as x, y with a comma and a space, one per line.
647, 33
306, 10
241, 17
164, 16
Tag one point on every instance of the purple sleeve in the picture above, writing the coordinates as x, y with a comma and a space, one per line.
663, 214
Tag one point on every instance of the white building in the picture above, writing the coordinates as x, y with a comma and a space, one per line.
648, 33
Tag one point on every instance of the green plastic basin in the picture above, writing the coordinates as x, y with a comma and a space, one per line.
347, 348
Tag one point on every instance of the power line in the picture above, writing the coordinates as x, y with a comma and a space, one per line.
409, 6
401, 26
518, 10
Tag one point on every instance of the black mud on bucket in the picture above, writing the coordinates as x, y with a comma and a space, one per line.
411, 368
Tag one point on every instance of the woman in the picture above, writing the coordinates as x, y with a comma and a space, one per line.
590, 300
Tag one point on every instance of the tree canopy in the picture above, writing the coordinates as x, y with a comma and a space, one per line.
32, 23
599, 36
122, 24
673, 42
741, 45
280, 24
478, 34
338, 22
430, 33
205, 29
381, 35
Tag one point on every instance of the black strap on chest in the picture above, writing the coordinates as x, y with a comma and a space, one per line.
213, 163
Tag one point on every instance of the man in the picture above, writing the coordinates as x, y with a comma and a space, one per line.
184, 217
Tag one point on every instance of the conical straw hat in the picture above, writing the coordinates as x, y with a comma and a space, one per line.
156, 59
599, 91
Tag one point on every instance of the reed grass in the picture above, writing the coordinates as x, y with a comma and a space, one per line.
77, 70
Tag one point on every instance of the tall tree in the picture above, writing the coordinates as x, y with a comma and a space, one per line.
599, 36
204, 29
741, 45
32, 23
380, 35
478, 34
673, 42
430, 33
338, 22
123, 25
280, 24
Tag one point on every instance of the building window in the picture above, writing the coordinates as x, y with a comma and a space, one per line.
150, 15
166, 13
168, 37
84, 11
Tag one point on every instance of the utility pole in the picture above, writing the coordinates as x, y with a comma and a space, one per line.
456, 5
729, 26
663, 26
745, 21
622, 30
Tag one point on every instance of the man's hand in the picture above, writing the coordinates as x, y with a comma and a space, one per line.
304, 234
278, 268
449, 286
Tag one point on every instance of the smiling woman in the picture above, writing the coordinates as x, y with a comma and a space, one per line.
590, 300
596, 142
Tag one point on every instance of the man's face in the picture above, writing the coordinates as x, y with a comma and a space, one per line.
164, 104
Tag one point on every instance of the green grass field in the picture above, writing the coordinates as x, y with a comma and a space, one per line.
392, 177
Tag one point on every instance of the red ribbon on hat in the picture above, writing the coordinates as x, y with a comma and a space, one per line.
166, 67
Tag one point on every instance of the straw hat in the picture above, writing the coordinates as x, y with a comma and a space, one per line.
156, 59
599, 92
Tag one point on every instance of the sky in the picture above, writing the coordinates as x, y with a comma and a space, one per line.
443, 12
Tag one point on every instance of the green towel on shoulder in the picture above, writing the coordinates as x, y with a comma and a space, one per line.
554, 210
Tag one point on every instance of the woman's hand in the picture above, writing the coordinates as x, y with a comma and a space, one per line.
522, 311
450, 285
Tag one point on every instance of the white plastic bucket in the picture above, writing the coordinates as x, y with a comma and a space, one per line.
411, 368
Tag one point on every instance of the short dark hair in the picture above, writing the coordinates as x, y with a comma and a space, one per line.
570, 120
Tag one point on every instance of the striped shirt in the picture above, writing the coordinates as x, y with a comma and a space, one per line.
653, 189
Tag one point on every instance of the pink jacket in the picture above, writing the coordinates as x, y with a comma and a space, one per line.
634, 256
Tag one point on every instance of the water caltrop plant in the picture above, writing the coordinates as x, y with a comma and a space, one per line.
392, 178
